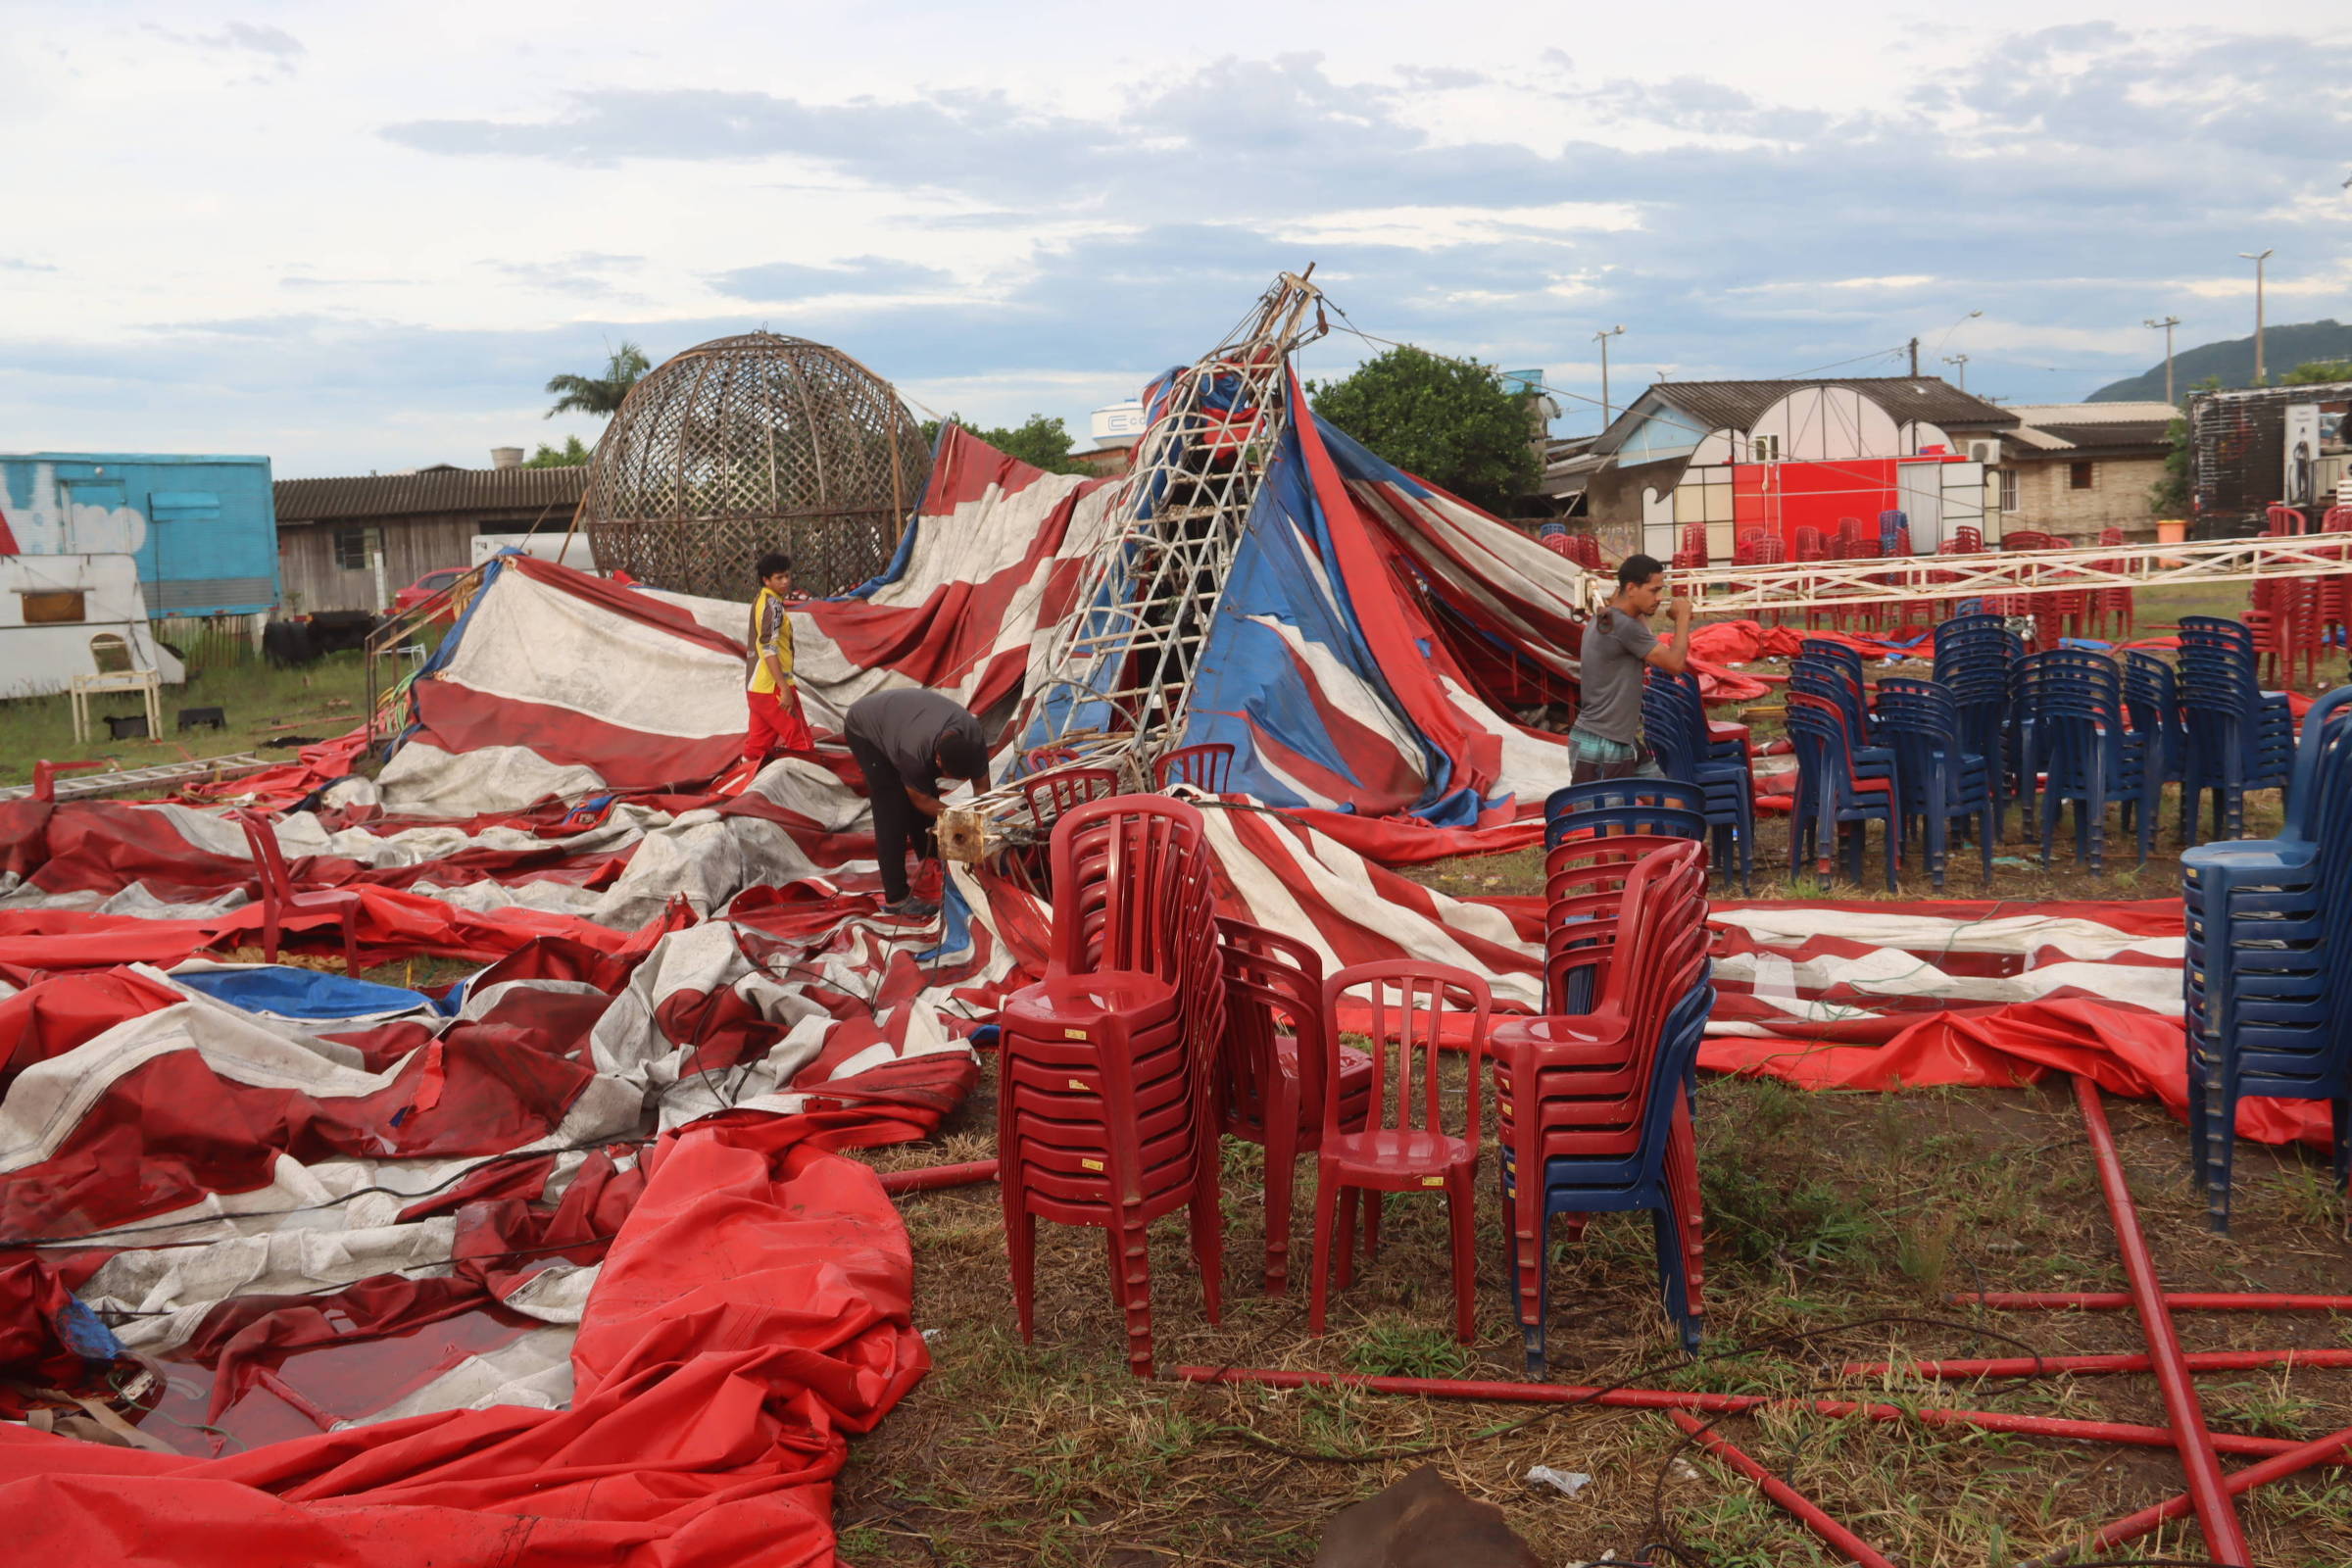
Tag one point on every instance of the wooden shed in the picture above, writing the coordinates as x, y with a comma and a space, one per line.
330, 530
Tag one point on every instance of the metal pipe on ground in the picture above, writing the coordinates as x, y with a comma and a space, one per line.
2028, 1366
2178, 1300
2217, 1517
1798, 1505
931, 1178
2132, 1526
1621, 1399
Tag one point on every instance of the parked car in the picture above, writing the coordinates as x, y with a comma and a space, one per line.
424, 588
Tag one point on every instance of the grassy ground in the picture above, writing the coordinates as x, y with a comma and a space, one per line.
1823, 1211
1831, 1217
261, 705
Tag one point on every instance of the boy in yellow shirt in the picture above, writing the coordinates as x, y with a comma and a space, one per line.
776, 722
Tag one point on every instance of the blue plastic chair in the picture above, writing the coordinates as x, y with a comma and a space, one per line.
2089, 755
1830, 798
1937, 779
2264, 986
1675, 723
2239, 736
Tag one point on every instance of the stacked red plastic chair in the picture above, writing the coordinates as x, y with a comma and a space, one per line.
1105, 1109
1593, 1107
1271, 1068
1406, 1147
2334, 602
2112, 604
1694, 552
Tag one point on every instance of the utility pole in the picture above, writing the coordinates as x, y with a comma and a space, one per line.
1914, 359
1961, 359
2260, 375
2168, 323
1602, 338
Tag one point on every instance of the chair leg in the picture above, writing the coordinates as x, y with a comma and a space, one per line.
1281, 1180
1461, 1219
1020, 1247
1131, 1283
1346, 1237
1372, 1200
1207, 1218
1318, 1289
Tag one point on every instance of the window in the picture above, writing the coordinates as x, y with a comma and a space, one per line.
2008, 478
1764, 449
52, 607
354, 548
2078, 476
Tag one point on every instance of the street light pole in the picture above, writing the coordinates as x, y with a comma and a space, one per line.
2168, 323
1602, 338
1961, 359
2260, 375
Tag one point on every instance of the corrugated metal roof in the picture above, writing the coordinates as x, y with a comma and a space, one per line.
393, 494
1737, 405
2154, 434
2140, 412
2105, 428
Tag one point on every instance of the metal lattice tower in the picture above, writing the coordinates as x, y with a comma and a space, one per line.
1118, 673
754, 443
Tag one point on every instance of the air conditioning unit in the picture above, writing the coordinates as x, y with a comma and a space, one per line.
1988, 453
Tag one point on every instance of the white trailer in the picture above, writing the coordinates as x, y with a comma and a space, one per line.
56, 611
571, 551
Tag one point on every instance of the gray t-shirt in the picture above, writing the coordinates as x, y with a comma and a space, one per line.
906, 725
1616, 644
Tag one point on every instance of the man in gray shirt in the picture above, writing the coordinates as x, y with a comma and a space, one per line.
906, 741
1606, 742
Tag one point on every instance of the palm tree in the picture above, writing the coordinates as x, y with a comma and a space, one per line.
600, 395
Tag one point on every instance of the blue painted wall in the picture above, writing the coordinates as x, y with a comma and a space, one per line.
203, 528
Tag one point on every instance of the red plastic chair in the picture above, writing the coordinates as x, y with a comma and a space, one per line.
1206, 768
1404, 1155
1270, 1080
1050, 795
279, 901
1104, 1113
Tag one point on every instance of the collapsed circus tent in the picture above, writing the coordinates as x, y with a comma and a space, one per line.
557, 1262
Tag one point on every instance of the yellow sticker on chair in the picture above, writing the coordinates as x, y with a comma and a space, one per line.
1433, 1181
1073, 1034
1078, 1083
1092, 1165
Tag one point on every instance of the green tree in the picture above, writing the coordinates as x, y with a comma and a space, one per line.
600, 395
1037, 441
2311, 372
1446, 422
570, 455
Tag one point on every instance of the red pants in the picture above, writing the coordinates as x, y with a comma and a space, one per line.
777, 726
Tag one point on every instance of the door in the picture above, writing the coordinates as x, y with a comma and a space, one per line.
1919, 491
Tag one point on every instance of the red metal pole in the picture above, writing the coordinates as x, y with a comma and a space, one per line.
2178, 1300
2038, 1426
1803, 1508
2225, 1537
2027, 1366
930, 1178
2293, 1461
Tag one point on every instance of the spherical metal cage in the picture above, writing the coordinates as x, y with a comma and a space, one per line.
750, 443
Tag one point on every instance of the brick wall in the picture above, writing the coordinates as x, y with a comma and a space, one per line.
2118, 498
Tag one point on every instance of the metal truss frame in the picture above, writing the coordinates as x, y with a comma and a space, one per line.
1114, 689
1894, 580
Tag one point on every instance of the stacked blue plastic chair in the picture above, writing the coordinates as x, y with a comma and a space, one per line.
1656, 805
1936, 778
2152, 703
1665, 958
2239, 737
1972, 654
1675, 721
1833, 680
1832, 797
2269, 997
2087, 754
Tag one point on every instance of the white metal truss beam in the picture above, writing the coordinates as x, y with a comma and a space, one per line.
1895, 579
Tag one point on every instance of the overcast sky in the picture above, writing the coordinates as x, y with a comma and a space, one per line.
362, 238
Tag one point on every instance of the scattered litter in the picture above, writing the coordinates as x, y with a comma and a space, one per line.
1567, 1482
2017, 861
1683, 1471
932, 1334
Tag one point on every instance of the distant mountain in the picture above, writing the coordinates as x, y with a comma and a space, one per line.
2283, 349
